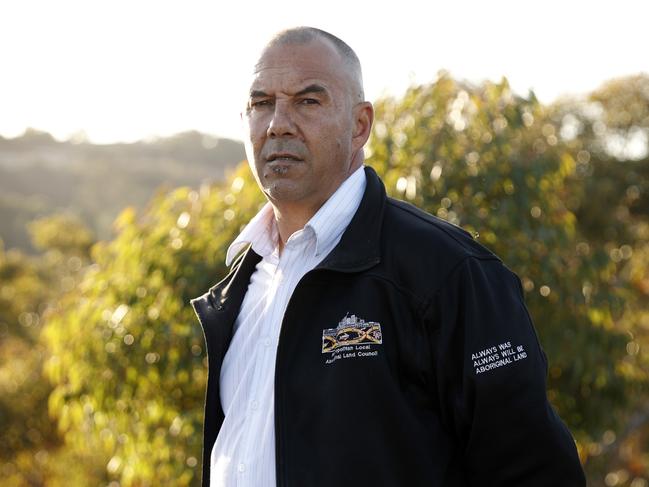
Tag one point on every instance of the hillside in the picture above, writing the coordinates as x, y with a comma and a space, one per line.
40, 176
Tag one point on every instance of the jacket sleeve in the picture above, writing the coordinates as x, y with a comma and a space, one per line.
490, 373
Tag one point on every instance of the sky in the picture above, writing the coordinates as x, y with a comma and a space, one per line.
124, 70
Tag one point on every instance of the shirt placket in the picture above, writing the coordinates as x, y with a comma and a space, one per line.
262, 400
285, 276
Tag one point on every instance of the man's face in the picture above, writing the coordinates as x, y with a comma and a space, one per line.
300, 124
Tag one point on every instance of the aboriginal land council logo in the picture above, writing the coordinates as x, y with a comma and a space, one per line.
351, 331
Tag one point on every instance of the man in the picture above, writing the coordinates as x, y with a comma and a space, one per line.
358, 341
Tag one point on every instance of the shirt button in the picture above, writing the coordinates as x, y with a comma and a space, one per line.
266, 342
254, 405
241, 467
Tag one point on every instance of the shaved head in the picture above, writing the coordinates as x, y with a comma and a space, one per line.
305, 35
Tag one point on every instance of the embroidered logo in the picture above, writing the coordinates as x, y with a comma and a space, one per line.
352, 338
351, 331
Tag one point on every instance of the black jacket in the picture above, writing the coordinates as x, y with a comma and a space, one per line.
406, 358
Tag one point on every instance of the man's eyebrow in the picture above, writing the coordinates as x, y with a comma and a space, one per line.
314, 88
258, 94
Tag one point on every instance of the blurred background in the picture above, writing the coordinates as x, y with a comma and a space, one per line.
123, 181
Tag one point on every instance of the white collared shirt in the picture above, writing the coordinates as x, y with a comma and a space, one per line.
244, 452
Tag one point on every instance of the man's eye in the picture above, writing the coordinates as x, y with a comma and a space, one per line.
259, 103
309, 101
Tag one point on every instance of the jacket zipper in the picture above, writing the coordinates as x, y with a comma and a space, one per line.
280, 470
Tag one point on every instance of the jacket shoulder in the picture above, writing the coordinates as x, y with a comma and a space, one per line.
422, 250
428, 230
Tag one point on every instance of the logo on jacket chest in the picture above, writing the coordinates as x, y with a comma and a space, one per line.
353, 338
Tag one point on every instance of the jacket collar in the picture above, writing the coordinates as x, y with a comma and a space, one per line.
324, 227
359, 247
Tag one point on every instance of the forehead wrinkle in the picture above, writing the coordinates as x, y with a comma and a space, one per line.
276, 67
294, 84
313, 88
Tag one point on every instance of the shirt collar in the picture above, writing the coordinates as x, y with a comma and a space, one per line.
327, 224
260, 232
332, 218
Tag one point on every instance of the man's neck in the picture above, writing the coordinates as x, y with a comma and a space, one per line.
292, 218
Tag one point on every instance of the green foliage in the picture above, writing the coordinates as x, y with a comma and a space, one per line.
625, 103
126, 354
21, 390
31, 451
608, 131
63, 233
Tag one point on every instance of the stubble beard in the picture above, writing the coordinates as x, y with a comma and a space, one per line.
283, 182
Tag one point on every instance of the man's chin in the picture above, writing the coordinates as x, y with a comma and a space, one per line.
284, 190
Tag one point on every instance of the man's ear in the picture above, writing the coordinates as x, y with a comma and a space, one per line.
363, 118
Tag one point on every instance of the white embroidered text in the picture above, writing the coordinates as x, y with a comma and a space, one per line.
499, 356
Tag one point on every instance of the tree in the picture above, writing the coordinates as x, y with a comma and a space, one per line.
32, 451
126, 355
609, 133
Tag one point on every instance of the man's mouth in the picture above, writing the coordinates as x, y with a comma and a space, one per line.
283, 157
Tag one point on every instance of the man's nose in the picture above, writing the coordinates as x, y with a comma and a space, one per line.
282, 122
